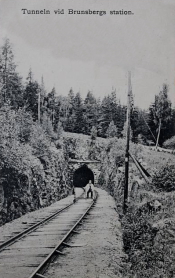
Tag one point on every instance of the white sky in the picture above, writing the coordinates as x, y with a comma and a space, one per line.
92, 52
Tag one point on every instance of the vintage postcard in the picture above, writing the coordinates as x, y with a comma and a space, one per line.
87, 138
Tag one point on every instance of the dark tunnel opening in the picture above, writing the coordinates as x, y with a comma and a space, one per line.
82, 176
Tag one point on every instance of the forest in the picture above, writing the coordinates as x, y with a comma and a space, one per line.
71, 113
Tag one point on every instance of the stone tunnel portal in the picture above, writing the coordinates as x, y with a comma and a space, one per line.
82, 176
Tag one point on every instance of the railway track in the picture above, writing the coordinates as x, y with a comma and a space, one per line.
33, 227
29, 254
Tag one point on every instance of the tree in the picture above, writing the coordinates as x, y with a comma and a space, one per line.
43, 91
69, 125
105, 116
139, 125
160, 114
93, 133
77, 116
111, 110
112, 130
51, 105
10, 81
43, 94
90, 112
65, 110
59, 129
31, 95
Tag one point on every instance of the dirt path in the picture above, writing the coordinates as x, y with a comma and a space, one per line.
97, 251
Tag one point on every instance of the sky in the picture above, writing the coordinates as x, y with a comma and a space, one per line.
92, 52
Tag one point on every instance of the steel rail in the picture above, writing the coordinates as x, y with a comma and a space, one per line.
38, 272
33, 227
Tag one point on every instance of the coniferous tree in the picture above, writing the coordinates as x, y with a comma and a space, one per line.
78, 119
70, 123
113, 105
120, 118
31, 95
90, 112
160, 115
65, 108
105, 116
139, 125
112, 130
57, 112
171, 124
43, 94
111, 110
51, 105
10, 81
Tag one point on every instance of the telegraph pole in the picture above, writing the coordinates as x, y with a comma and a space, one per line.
39, 99
127, 143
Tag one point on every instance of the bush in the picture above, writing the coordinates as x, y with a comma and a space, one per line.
148, 248
170, 143
164, 179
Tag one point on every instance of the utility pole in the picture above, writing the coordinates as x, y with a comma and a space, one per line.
39, 99
127, 143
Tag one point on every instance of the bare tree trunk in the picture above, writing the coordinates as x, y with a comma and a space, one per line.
53, 116
39, 115
5, 77
158, 135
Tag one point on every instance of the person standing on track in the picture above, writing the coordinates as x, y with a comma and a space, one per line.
89, 190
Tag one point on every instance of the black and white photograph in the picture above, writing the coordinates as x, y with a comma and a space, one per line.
87, 139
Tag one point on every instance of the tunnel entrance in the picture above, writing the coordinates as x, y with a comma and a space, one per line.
82, 176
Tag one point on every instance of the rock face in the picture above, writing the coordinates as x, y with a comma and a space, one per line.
45, 183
